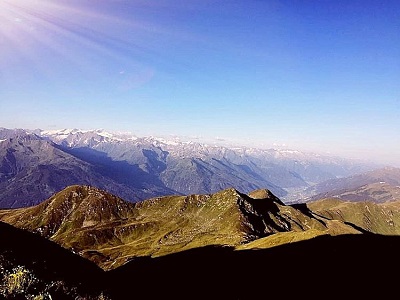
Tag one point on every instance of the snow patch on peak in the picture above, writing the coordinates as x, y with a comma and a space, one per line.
290, 151
104, 133
62, 131
78, 136
173, 142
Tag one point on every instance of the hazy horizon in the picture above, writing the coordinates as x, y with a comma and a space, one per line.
228, 143
316, 76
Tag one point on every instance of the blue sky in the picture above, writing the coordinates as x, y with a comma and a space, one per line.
320, 76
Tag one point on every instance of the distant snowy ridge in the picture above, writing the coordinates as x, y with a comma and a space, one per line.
177, 146
152, 166
182, 146
72, 137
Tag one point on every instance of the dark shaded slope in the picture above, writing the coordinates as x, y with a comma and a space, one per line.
57, 271
208, 175
326, 267
347, 266
138, 178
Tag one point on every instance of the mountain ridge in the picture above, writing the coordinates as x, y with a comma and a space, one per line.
111, 231
211, 240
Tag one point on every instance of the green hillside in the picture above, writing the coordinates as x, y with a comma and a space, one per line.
110, 231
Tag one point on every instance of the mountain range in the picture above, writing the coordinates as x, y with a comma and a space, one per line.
225, 245
96, 215
35, 164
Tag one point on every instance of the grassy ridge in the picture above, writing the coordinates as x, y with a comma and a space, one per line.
379, 218
110, 231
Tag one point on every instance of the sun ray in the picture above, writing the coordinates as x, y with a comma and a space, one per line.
29, 28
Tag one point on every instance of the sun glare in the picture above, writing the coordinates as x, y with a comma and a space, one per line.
31, 32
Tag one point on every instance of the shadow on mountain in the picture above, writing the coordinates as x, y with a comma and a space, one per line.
321, 268
121, 171
49, 263
341, 267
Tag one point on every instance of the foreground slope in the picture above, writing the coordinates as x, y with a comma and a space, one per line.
326, 267
329, 267
111, 231
32, 267
225, 245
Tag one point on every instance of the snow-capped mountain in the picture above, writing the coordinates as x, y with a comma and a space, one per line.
71, 137
204, 165
137, 168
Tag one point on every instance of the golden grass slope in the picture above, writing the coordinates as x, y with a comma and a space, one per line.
111, 231
378, 218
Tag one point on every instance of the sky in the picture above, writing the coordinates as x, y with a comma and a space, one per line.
311, 75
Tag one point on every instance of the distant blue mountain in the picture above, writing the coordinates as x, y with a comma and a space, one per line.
35, 164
